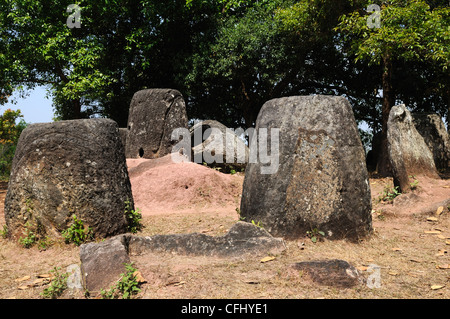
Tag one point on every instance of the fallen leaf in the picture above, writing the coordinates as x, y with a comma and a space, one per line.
441, 237
447, 242
432, 219
447, 266
446, 186
396, 249
176, 283
432, 231
179, 283
438, 229
415, 260
436, 287
266, 259
139, 278
45, 276
23, 278
24, 287
40, 281
439, 210
393, 273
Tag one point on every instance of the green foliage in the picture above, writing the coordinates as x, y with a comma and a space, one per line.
4, 232
44, 243
10, 131
30, 237
233, 55
315, 234
126, 287
133, 217
414, 184
257, 224
57, 286
34, 235
409, 30
77, 233
389, 193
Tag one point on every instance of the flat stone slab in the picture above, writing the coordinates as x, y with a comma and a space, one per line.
337, 273
242, 239
102, 263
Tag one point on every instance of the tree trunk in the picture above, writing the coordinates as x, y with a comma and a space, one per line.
76, 109
384, 165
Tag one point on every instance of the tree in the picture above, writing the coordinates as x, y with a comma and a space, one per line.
268, 49
10, 129
121, 47
40, 49
409, 31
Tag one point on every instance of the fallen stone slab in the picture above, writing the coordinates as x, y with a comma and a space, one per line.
336, 273
103, 263
242, 239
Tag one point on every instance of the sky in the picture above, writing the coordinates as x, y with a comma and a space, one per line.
36, 108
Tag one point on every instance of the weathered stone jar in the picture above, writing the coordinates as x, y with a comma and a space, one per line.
65, 168
322, 182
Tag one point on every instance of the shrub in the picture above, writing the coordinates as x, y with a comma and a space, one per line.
77, 233
133, 218
127, 286
57, 286
30, 237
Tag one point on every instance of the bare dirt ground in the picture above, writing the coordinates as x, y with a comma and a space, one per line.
410, 243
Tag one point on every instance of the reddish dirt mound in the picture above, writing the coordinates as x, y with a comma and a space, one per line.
161, 186
424, 200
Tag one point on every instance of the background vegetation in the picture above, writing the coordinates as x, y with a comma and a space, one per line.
228, 57
11, 125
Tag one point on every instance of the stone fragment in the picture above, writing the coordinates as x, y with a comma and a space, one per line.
74, 279
322, 181
336, 273
68, 168
102, 263
408, 153
154, 114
